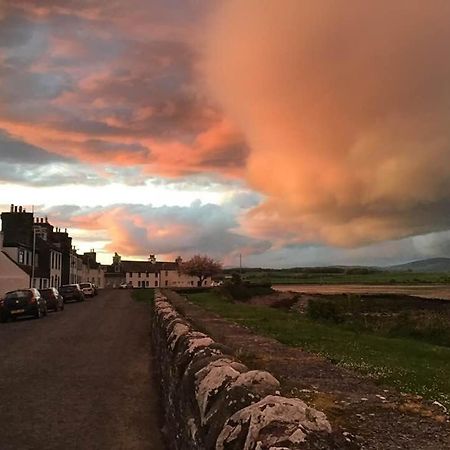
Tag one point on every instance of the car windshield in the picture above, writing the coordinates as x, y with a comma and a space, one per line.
18, 294
46, 292
85, 285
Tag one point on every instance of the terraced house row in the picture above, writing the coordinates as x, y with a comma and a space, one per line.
33, 253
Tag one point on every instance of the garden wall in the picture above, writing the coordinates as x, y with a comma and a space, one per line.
213, 401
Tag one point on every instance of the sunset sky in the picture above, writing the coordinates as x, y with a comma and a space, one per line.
291, 132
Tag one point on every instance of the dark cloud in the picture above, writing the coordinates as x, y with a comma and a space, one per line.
14, 151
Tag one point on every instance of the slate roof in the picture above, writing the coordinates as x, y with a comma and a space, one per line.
143, 267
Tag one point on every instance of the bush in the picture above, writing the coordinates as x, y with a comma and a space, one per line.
328, 310
245, 291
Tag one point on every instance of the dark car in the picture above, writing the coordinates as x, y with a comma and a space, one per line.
54, 299
22, 302
71, 292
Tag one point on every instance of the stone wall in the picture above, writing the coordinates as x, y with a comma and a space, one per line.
213, 401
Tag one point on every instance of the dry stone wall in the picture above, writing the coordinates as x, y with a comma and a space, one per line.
213, 401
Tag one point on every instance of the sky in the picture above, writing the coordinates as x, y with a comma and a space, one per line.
292, 133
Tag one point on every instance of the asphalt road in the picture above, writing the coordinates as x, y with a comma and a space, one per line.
80, 379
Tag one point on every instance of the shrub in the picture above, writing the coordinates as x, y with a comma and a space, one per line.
319, 309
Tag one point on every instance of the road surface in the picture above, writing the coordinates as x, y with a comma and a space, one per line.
80, 379
441, 291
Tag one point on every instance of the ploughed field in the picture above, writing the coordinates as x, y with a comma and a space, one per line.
80, 379
441, 291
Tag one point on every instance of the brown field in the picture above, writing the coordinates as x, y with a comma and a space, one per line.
441, 291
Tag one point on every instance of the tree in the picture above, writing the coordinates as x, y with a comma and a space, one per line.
201, 267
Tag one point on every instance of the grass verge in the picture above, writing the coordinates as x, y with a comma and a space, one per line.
144, 295
409, 365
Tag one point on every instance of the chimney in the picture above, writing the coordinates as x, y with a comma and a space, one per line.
12, 207
15, 209
24, 210
42, 220
46, 219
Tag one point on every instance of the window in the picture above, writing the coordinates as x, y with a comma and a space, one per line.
20, 259
139, 274
147, 283
156, 283
167, 273
131, 274
147, 274
167, 283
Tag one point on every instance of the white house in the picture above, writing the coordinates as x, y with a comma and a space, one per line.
154, 273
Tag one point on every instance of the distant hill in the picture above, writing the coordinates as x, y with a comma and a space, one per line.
425, 265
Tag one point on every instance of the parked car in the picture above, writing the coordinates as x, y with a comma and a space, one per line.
126, 285
88, 289
72, 292
54, 299
22, 302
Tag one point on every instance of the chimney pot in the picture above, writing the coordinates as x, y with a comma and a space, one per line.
12, 207
46, 219
15, 208
20, 209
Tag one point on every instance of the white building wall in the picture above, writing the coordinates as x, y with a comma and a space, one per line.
11, 276
55, 268
176, 278
143, 279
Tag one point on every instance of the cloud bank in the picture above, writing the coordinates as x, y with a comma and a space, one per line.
345, 107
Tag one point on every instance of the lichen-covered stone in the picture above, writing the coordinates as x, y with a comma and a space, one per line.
213, 379
273, 422
248, 388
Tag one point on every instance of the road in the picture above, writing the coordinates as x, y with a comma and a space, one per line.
441, 291
80, 379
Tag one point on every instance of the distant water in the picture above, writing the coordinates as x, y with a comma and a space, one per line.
428, 291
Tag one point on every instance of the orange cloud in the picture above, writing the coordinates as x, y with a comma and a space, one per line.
345, 107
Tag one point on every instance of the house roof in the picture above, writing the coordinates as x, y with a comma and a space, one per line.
144, 266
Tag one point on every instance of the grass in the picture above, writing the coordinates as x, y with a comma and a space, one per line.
409, 365
144, 295
378, 277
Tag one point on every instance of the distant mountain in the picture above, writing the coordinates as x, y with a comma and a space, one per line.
425, 265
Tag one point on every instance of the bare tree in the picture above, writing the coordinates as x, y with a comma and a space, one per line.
201, 267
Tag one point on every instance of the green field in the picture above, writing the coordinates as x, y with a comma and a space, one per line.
376, 277
408, 364
143, 295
